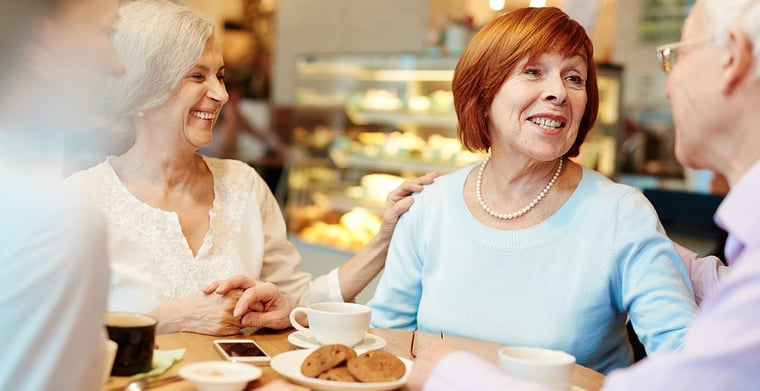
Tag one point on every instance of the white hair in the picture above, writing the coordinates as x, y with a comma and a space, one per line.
158, 42
720, 16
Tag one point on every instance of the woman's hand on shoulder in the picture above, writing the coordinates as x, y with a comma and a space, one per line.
400, 200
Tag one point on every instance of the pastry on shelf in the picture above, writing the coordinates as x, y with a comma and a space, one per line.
377, 186
420, 104
381, 100
442, 101
352, 231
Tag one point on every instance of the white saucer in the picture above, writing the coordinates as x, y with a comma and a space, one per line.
306, 341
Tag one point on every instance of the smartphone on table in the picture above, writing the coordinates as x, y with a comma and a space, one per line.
241, 350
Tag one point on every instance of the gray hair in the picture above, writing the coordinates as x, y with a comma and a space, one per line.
720, 16
158, 41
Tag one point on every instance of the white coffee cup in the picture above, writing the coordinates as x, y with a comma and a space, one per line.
331, 323
551, 368
111, 348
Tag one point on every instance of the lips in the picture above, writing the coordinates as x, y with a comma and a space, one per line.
547, 123
204, 115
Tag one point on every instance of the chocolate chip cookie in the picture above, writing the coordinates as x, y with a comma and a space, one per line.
326, 357
376, 366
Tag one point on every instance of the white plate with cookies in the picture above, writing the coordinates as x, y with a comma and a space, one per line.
361, 371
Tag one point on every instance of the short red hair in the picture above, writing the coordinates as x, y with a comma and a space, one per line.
494, 52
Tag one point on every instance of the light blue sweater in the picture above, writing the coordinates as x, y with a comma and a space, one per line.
568, 283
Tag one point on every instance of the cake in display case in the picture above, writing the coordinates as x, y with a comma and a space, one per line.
362, 124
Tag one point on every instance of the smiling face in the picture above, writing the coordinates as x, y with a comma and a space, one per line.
196, 102
538, 110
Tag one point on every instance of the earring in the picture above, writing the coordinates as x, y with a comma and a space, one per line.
140, 114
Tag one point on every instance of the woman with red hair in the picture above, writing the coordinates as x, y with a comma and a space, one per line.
528, 247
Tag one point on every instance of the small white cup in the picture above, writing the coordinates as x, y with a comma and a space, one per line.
331, 323
550, 368
111, 348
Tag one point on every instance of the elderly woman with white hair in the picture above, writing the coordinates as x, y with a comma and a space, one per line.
179, 221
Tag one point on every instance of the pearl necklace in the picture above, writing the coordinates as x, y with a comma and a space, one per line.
526, 209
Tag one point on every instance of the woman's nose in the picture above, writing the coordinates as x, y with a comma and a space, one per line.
218, 92
556, 90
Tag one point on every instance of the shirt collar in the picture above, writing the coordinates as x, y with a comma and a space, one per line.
734, 213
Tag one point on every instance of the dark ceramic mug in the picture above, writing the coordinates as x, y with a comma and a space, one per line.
135, 334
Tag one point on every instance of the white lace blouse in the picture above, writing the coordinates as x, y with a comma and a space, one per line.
151, 261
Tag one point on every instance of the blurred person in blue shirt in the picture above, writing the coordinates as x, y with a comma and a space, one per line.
55, 56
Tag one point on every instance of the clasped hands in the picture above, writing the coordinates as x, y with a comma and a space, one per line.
260, 305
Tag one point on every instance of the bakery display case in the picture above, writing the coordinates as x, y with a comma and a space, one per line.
600, 150
362, 124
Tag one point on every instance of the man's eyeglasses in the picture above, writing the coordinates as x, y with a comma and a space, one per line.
668, 54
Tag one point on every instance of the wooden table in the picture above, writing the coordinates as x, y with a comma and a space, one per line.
199, 348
